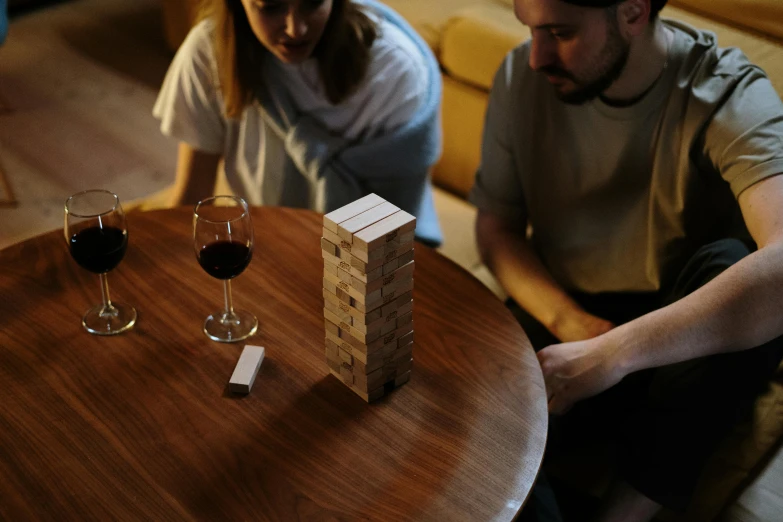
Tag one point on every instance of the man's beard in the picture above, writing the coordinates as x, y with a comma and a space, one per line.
616, 53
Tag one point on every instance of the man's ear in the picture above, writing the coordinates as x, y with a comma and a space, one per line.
633, 17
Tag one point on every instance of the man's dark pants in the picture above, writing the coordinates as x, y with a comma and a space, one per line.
665, 422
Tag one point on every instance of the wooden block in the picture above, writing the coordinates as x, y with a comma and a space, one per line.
404, 319
385, 253
368, 366
391, 288
404, 287
384, 231
371, 396
333, 365
400, 273
389, 326
354, 271
331, 287
406, 258
359, 351
329, 247
400, 311
403, 351
333, 270
334, 218
402, 379
358, 296
246, 369
370, 327
341, 244
365, 266
403, 367
347, 229
370, 381
346, 374
357, 317
331, 327
332, 349
389, 338
337, 311
406, 339
346, 357
330, 269
395, 304
355, 334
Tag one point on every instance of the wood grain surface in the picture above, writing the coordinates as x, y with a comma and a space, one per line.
141, 426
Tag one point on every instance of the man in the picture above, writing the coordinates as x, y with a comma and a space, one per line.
630, 204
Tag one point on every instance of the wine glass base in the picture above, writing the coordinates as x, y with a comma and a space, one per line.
97, 321
223, 328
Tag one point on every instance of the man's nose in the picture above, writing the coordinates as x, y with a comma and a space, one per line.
542, 53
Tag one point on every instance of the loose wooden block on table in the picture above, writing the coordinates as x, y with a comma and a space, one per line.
246, 369
348, 228
334, 218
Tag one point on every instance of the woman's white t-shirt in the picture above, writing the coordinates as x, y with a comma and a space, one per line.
190, 107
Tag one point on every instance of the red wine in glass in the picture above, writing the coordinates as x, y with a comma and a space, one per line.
225, 259
99, 249
223, 240
97, 238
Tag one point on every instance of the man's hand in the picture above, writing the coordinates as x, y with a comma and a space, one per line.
579, 326
578, 370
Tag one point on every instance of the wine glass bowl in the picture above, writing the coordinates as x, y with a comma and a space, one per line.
97, 237
223, 240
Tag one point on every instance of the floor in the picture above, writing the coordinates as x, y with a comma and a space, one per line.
77, 83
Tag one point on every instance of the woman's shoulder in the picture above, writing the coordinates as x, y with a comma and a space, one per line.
198, 42
393, 49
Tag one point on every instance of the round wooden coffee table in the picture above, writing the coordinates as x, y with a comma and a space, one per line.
141, 425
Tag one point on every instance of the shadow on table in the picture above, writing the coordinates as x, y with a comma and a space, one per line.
326, 431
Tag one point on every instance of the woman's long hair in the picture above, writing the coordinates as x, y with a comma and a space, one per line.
343, 53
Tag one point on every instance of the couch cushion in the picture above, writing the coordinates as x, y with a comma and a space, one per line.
476, 39
764, 16
430, 16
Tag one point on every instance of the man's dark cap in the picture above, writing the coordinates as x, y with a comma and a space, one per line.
655, 5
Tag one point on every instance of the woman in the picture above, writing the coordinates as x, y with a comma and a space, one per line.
311, 103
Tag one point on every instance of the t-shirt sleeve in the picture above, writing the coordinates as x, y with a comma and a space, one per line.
498, 189
188, 105
744, 140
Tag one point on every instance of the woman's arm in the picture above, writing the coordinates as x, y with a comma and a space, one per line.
196, 175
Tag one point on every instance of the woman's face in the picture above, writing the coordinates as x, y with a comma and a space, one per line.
290, 29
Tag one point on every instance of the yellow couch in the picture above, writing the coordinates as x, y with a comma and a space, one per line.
470, 39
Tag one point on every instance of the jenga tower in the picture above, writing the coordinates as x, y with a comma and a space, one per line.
367, 248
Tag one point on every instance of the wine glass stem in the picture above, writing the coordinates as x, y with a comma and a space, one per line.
227, 294
108, 309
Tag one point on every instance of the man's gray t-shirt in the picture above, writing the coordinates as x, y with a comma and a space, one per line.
619, 198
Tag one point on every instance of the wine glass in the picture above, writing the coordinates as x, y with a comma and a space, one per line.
97, 238
223, 238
